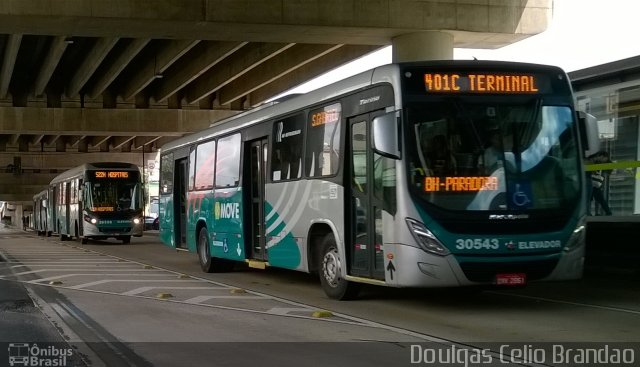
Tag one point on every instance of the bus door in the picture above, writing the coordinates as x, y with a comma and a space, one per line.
254, 183
180, 202
364, 211
64, 212
53, 208
79, 206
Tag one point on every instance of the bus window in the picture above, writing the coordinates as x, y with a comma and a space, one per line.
205, 162
286, 160
166, 173
228, 162
323, 141
192, 169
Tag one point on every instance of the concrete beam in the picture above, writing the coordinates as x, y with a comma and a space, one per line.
117, 65
99, 140
233, 67
118, 142
430, 45
90, 64
308, 71
73, 141
14, 138
36, 139
201, 58
54, 54
64, 160
312, 21
149, 72
8, 62
117, 122
279, 66
140, 141
51, 139
164, 140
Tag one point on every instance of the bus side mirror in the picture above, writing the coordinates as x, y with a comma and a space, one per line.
588, 127
386, 131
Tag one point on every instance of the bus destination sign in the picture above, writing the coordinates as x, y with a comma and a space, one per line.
481, 83
461, 184
111, 174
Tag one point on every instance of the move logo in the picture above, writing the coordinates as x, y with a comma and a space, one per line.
226, 210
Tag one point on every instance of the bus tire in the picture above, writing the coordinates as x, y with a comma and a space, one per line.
330, 269
208, 263
84, 240
204, 254
126, 239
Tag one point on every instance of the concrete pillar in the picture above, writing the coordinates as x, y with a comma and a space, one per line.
16, 220
431, 45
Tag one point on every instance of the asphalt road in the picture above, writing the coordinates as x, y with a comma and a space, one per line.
145, 304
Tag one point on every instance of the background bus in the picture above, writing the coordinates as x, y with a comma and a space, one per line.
98, 201
427, 174
42, 214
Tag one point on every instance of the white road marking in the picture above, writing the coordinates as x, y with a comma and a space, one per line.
137, 291
104, 281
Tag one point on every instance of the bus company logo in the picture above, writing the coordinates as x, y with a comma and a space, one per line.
25, 354
226, 210
369, 100
508, 216
282, 135
510, 245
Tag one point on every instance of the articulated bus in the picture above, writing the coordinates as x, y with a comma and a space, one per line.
97, 201
425, 174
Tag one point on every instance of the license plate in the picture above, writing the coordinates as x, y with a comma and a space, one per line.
511, 279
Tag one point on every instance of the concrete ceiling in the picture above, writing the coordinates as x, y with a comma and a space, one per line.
124, 76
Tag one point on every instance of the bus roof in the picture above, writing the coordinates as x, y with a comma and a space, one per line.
272, 110
42, 194
386, 73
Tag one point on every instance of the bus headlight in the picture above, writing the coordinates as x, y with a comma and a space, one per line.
136, 220
89, 219
578, 237
425, 238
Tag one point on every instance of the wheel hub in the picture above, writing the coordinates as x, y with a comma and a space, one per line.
331, 267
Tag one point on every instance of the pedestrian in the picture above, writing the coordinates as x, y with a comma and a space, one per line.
597, 184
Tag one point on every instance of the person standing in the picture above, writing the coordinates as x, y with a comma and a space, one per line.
597, 184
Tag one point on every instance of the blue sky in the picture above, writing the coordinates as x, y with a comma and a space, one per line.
582, 33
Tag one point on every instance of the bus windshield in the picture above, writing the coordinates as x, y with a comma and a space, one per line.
490, 154
112, 196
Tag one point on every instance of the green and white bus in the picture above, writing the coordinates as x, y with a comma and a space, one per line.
426, 174
97, 201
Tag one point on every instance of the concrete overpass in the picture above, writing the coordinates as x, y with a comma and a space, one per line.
96, 80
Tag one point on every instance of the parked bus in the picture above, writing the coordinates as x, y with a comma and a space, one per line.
425, 174
98, 201
42, 214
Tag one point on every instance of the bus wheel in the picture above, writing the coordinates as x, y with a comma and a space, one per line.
84, 240
206, 262
333, 284
125, 239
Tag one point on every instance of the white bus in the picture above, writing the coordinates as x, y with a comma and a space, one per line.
425, 174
